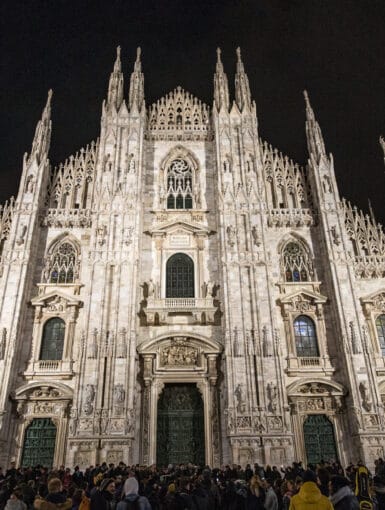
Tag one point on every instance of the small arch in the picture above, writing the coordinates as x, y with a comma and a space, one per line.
63, 261
52, 343
306, 342
296, 264
180, 276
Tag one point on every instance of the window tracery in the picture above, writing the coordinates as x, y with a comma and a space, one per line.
179, 185
62, 265
305, 337
296, 263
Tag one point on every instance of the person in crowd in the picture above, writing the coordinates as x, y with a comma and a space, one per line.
271, 500
132, 499
323, 476
16, 502
287, 491
341, 494
103, 498
256, 494
309, 496
56, 499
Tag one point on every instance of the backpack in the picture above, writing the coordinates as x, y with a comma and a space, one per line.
362, 489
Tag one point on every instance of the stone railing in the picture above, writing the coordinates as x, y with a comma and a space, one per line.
309, 362
190, 310
291, 217
62, 368
75, 218
313, 364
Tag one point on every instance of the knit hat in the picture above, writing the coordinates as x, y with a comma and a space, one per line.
131, 486
105, 483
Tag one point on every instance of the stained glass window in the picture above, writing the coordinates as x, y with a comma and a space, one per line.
179, 185
180, 276
53, 339
296, 263
63, 264
305, 337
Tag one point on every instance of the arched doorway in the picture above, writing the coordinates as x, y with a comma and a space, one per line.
180, 276
319, 438
39, 443
180, 425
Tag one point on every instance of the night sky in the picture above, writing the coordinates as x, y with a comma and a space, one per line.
334, 49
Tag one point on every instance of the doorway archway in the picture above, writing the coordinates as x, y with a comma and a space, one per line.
320, 443
39, 443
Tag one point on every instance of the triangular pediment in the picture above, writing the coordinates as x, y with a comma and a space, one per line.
55, 298
181, 226
304, 295
379, 295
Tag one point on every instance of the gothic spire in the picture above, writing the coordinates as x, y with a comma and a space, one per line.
115, 87
242, 88
136, 95
42, 138
221, 88
315, 141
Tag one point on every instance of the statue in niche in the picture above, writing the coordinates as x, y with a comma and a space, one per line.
327, 185
267, 345
230, 235
272, 395
150, 288
255, 236
89, 395
93, 346
366, 402
30, 184
131, 164
107, 163
209, 289
335, 235
119, 394
239, 395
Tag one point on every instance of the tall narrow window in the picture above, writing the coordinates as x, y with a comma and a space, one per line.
63, 264
305, 337
179, 185
380, 325
179, 276
296, 264
52, 343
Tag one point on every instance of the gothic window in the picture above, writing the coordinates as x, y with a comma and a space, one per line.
305, 337
296, 264
63, 263
180, 276
52, 343
380, 325
179, 185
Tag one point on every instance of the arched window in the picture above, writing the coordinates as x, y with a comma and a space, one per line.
179, 276
53, 339
179, 185
380, 325
305, 337
296, 264
63, 264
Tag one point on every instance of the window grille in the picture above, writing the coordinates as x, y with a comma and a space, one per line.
380, 325
53, 340
305, 337
179, 185
180, 276
63, 263
296, 263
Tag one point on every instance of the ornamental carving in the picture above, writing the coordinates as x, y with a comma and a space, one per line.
89, 396
179, 353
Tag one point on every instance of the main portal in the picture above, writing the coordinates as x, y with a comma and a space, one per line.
180, 425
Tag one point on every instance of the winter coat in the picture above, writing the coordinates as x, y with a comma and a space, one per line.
55, 501
344, 499
271, 500
309, 497
15, 504
142, 502
102, 500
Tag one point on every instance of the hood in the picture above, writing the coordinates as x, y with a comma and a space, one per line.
131, 497
309, 492
342, 493
15, 504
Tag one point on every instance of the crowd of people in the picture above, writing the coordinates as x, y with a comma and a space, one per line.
326, 486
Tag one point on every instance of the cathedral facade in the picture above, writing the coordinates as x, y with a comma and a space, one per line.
181, 291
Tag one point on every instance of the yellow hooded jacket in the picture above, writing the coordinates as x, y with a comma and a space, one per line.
309, 497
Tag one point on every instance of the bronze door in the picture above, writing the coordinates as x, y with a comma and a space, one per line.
39, 443
180, 437
319, 437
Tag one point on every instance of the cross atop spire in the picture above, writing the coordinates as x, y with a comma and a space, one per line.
115, 86
242, 88
315, 141
136, 95
221, 88
42, 138
382, 143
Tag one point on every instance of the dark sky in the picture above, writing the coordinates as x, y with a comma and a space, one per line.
334, 49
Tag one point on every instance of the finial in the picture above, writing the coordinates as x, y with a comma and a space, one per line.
138, 53
49, 97
219, 55
238, 52
118, 52
117, 65
305, 95
371, 212
382, 143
